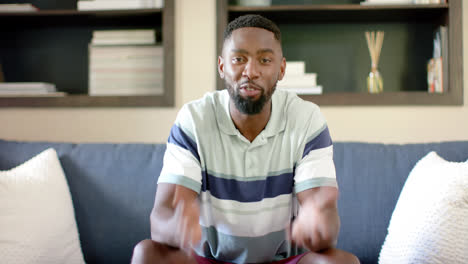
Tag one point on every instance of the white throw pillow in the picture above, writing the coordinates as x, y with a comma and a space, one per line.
37, 220
430, 220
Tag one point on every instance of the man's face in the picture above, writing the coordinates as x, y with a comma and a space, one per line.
251, 64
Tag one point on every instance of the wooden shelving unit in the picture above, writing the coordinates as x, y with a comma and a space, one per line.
335, 30
52, 46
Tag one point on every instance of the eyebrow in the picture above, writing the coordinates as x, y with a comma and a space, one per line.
258, 52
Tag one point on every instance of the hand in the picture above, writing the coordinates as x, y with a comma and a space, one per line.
186, 220
310, 228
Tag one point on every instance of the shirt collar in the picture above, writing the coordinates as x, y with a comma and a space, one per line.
275, 125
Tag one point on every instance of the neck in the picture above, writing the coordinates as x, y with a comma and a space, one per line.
250, 126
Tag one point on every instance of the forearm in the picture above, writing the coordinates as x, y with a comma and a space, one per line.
175, 217
327, 228
318, 221
162, 228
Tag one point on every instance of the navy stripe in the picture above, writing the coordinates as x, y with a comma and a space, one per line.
323, 140
179, 138
248, 191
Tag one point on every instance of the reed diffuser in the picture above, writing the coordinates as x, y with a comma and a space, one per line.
374, 43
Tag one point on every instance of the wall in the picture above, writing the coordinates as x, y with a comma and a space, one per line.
195, 75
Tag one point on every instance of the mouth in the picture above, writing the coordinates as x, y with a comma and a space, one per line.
250, 90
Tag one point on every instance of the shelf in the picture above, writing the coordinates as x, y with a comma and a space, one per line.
330, 39
383, 99
349, 7
52, 46
86, 101
357, 13
48, 18
68, 12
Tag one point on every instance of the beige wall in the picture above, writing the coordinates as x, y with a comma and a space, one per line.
195, 71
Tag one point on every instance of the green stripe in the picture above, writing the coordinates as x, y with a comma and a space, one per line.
246, 179
236, 249
315, 182
239, 212
180, 180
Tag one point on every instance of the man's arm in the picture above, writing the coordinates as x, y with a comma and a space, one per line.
318, 224
175, 216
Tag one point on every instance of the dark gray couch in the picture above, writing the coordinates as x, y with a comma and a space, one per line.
113, 187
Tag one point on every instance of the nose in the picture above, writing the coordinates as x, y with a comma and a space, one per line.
251, 70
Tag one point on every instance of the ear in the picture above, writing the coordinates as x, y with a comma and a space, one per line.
282, 69
221, 67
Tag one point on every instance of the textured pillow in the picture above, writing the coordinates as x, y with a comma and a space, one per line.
430, 220
37, 222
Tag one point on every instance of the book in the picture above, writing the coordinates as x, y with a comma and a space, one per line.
124, 37
84, 5
445, 57
304, 80
305, 90
32, 94
438, 66
387, 2
18, 8
28, 86
295, 68
27, 89
402, 2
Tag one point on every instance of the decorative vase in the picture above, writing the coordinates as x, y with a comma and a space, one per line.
374, 81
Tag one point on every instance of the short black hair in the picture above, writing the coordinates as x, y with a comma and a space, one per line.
257, 21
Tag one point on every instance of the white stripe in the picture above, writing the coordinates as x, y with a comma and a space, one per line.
245, 219
180, 161
317, 164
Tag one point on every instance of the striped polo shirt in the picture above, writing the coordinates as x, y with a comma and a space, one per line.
247, 189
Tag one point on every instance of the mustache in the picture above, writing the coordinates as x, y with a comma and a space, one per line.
250, 83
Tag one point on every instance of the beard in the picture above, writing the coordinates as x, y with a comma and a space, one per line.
248, 105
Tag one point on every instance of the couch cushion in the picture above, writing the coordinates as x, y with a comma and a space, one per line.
429, 223
37, 220
118, 182
113, 188
370, 178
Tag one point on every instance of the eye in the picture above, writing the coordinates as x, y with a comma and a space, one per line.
265, 60
237, 59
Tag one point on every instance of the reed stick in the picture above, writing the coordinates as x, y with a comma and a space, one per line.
374, 44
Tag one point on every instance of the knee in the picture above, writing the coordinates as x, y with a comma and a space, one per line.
143, 246
332, 256
350, 258
144, 250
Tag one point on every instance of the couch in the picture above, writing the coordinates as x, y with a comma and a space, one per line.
113, 188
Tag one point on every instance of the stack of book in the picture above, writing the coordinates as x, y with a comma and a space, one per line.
84, 5
125, 62
16, 89
296, 80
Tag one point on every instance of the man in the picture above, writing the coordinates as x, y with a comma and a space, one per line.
238, 161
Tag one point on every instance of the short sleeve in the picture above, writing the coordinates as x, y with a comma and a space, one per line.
181, 164
316, 167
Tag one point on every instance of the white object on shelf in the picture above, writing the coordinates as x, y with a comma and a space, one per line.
305, 90
85, 5
254, 2
22, 87
388, 2
295, 68
18, 8
304, 80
